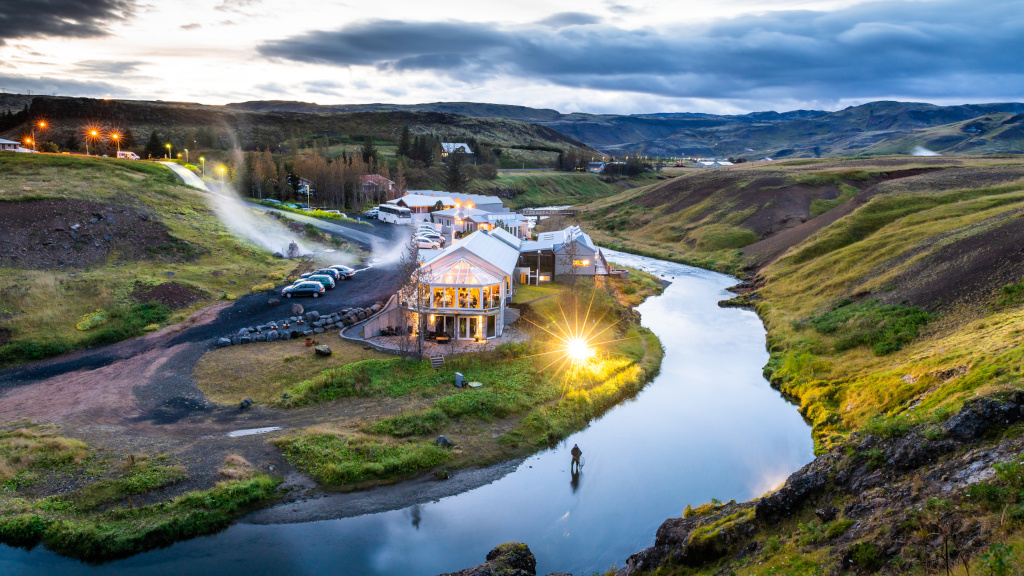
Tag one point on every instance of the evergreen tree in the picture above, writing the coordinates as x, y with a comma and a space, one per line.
404, 144
154, 148
455, 178
369, 151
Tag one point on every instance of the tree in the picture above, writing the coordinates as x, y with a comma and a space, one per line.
404, 142
71, 143
569, 255
455, 179
369, 151
154, 147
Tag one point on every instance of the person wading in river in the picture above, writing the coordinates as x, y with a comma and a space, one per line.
576, 453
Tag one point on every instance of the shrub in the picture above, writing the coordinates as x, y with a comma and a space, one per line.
886, 328
866, 555
988, 496
92, 320
837, 528
1011, 473
262, 287
421, 424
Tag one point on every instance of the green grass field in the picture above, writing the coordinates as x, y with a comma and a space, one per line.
41, 308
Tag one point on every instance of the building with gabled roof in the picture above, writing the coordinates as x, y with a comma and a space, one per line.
465, 288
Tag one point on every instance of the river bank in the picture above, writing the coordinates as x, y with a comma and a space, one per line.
714, 359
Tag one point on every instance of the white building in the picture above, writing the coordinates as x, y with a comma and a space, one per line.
8, 146
463, 220
464, 289
559, 254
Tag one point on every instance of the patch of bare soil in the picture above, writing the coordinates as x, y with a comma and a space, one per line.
51, 234
170, 294
966, 271
101, 396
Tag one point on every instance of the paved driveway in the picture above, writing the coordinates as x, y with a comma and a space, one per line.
187, 176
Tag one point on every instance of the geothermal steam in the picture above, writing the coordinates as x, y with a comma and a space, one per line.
922, 151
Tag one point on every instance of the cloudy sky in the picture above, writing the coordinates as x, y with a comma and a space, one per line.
625, 56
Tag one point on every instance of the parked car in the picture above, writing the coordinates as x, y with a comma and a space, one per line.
371, 213
334, 274
336, 213
301, 205
269, 201
345, 272
427, 244
432, 237
126, 155
324, 279
295, 206
302, 288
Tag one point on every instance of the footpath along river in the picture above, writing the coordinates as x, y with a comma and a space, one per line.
709, 426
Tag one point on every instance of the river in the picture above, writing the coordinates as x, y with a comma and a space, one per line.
708, 426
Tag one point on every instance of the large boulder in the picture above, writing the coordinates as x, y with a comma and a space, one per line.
322, 350
981, 415
509, 559
312, 316
803, 484
296, 310
273, 335
223, 342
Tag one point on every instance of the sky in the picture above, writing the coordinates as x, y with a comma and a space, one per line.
600, 56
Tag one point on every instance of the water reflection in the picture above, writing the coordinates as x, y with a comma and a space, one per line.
709, 426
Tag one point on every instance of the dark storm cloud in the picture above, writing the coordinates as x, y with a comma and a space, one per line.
68, 18
107, 66
563, 19
944, 48
28, 85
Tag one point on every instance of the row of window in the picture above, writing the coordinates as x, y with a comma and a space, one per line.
470, 298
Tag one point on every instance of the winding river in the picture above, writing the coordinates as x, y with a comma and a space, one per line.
709, 426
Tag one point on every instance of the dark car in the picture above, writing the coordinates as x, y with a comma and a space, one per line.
344, 272
314, 289
330, 272
326, 280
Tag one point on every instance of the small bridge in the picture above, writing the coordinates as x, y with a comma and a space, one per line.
548, 211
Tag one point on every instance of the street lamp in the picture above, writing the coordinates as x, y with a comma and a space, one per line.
42, 126
30, 141
203, 162
117, 141
168, 146
186, 155
91, 135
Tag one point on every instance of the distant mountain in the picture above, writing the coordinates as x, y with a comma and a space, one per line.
874, 128
269, 124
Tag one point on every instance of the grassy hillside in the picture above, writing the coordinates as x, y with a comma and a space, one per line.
183, 123
528, 189
875, 277
750, 214
894, 318
123, 238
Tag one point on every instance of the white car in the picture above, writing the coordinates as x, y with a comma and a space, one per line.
345, 271
427, 244
433, 237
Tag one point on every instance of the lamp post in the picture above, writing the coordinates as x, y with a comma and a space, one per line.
30, 141
186, 155
222, 185
42, 126
91, 135
117, 141
168, 146
203, 162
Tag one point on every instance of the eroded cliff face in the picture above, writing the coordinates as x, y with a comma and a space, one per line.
887, 502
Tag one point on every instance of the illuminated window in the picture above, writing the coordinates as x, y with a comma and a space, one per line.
581, 262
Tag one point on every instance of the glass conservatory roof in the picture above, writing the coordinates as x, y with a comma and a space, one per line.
464, 273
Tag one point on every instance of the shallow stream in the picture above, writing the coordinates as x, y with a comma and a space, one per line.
709, 426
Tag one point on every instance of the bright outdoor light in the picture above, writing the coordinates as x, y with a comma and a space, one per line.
578, 349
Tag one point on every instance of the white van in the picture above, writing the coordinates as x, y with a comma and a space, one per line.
126, 155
